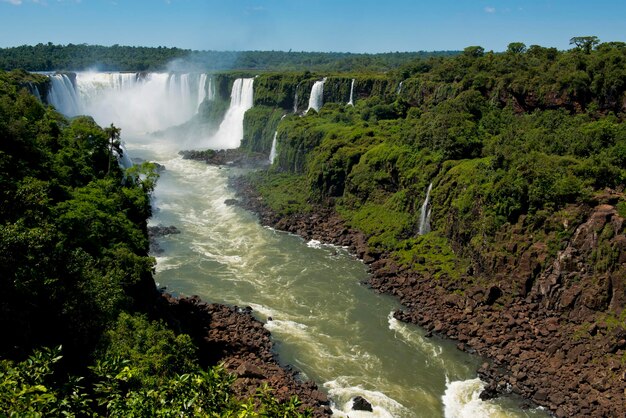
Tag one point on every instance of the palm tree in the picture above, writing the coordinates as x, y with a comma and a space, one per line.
113, 135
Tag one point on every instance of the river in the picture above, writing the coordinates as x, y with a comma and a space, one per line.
323, 320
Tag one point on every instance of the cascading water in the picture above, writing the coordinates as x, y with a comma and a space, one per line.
63, 95
206, 90
399, 88
295, 101
351, 101
330, 327
425, 213
316, 100
273, 150
230, 132
133, 101
32, 89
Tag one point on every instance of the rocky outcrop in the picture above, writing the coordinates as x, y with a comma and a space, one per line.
228, 157
232, 337
546, 324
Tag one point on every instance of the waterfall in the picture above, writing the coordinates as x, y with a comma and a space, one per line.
32, 89
399, 87
230, 132
124, 160
63, 95
351, 102
425, 213
202, 89
295, 101
211, 90
136, 102
316, 100
273, 150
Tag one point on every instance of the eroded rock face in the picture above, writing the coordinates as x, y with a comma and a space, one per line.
538, 316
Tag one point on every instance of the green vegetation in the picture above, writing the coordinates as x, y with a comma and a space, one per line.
70, 57
76, 273
506, 139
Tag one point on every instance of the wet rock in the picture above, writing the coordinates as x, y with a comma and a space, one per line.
490, 392
359, 403
162, 230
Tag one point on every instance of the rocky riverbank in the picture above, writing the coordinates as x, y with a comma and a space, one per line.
228, 157
233, 337
547, 344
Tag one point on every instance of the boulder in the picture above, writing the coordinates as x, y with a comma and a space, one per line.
359, 403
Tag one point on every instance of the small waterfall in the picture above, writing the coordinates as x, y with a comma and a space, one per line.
317, 95
351, 102
273, 150
63, 95
210, 95
295, 100
124, 160
425, 213
230, 132
399, 87
202, 88
32, 89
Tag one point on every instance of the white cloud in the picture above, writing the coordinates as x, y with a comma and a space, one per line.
490, 9
14, 2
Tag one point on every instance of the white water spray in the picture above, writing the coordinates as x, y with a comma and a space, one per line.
351, 101
317, 95
425, 213
136, 102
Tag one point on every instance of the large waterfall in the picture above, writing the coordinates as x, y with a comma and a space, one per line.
425, 213
63, 95
137, 102
230, 132
316, 100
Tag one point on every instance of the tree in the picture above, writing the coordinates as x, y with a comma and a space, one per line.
585, 43
113, 134
474, 51
516, 48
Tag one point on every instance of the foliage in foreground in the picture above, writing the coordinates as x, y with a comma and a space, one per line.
76, 272
33, 388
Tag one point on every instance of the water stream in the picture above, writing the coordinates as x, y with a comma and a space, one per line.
332, 328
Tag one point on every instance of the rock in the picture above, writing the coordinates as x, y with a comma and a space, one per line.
162, 230
489, 392
359, 403
249, 370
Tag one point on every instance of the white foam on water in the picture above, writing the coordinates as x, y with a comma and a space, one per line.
413, 338
382, 405
314, 244
165, 263
462, 400
263, 310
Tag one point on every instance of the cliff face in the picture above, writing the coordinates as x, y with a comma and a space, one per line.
524, 262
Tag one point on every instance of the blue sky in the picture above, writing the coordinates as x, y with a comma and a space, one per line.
311, 25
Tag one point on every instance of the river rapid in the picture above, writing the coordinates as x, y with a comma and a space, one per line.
323, 320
